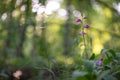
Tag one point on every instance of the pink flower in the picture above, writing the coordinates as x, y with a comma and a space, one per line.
78, 20
17, 74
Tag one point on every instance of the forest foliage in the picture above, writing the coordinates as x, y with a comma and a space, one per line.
59, 39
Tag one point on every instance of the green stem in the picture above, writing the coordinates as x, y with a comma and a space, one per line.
50, 71
86, 54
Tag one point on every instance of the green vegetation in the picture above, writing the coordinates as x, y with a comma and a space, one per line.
59, 40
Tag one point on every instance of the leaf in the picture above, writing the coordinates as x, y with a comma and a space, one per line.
104, 73
107, 67
109, 77
112, 52
42, 2
109, 53
78, 74
106, 61
81, 78
103, 51
91, 41
3, 74
92, 57
89, 65
76, 42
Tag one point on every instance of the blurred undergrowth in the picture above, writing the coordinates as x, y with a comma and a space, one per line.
41, 39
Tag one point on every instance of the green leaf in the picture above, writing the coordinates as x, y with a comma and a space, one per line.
107, 67
91, 41
81, 78
104, 73
79, 74
76, 42
106, 61
109, 77
89, 65
103, 51
92, 57
112, 52
109, 53
42, 2
3, 74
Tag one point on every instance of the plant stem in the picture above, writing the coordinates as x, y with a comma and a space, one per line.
86, 54
50, 71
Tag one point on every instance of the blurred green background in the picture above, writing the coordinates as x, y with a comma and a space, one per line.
45, 31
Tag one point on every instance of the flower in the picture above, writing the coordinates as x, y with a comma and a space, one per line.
17, 74
99, 63
82, 33
78, 20
86, 26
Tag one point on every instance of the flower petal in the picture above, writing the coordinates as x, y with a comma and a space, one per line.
78, 20
86, 26
99, 63
82, 33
